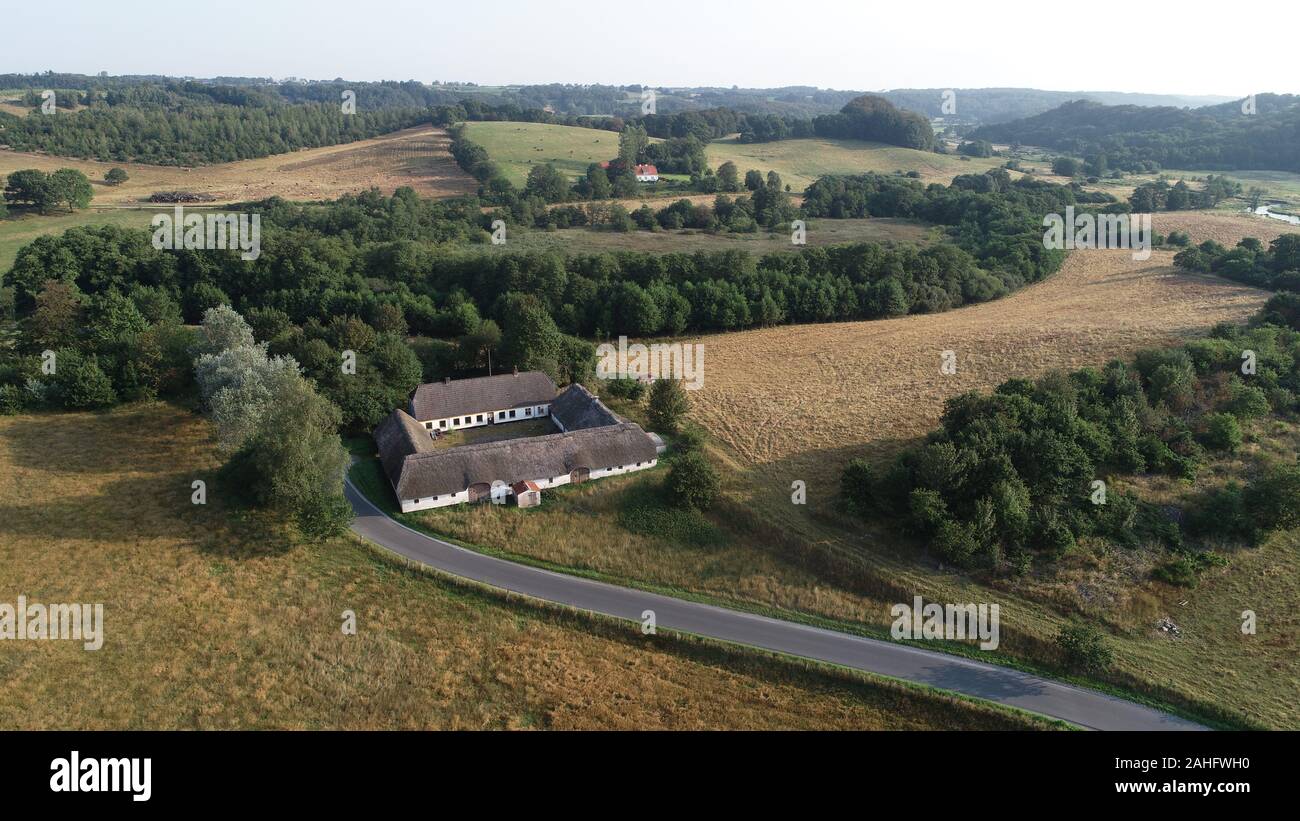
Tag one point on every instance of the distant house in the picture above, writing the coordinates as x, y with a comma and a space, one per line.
644, 172
486, 400
592, 442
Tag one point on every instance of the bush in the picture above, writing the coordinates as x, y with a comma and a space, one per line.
1273, 500
668, 404
625, 388
1222, 432
690, 438
692, 482
856, 483
80, 383
1084, 649
1247, 401
1221, 512
323, 516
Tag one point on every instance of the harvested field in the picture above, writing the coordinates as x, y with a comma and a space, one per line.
801, 162
786, 398
1227, 229
416, 157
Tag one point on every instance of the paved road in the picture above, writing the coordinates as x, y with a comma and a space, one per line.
1006, 686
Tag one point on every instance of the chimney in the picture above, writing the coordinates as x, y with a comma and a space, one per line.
446, 380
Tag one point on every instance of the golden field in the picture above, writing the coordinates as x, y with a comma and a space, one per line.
213, 621
416, 157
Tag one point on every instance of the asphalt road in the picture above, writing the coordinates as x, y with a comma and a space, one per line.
1085, 708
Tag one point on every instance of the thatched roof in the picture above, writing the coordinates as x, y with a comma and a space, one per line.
397, 437
577, 409
438, 472
458, 397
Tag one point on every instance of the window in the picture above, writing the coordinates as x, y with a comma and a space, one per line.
480, 417
528, 411
512, 414
428, 425
442, 423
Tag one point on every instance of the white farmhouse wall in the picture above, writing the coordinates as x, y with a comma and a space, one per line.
486, 417
501, 493
445, 500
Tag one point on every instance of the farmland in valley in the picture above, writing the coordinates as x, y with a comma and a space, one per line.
517, 147
801, 162
415, 157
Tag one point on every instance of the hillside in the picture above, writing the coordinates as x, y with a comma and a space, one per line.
998, 105
1221, 137
416, 157
517, 147
801, 162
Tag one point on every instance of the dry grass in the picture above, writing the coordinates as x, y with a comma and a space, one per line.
787, 398
211, 624
1227, 229
417, 157
801, 162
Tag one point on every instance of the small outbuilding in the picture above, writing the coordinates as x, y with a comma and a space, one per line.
527, 494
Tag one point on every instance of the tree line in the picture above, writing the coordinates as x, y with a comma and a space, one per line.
197, 134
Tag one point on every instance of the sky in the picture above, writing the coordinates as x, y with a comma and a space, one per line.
1190, 47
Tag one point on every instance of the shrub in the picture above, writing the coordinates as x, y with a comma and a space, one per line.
690, 439
1247, 401
668, 404
692, 482
1084, 649
1221, 512
625, 388
1222, 432
856, 483
1273, 499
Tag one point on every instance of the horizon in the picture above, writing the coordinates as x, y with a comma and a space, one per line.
851, 48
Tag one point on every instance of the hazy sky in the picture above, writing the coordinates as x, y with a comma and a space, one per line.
1190, 47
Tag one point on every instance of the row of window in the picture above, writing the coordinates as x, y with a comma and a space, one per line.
469, 420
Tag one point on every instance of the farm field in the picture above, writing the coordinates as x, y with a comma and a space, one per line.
212, 622
795, 403
517, 147
16, 232
415, 157
1279, 186
820, 232
800, 162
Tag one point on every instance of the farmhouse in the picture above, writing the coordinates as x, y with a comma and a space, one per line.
644, 172
486, 400
592, 442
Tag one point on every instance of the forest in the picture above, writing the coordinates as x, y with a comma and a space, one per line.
1136, 138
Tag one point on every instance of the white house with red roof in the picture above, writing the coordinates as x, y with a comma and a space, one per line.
647, 173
